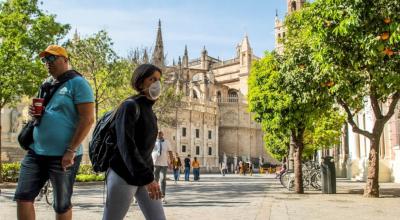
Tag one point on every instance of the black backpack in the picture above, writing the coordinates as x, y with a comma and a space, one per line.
103, 143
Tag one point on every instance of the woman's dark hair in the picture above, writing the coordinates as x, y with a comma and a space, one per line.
142, 72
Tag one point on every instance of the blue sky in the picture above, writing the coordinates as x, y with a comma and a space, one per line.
217, 24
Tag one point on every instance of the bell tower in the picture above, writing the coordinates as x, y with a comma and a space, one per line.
294, 5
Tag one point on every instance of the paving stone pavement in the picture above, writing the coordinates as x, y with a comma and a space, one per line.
257, 197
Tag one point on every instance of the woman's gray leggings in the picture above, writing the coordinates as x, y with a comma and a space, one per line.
119, 198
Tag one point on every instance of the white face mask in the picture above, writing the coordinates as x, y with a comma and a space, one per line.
155, 90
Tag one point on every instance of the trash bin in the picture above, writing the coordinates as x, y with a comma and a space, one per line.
328, 174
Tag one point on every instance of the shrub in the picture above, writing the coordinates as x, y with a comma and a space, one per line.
89, 177
85, 169
10, 171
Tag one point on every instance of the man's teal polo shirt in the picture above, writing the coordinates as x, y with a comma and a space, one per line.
58, 124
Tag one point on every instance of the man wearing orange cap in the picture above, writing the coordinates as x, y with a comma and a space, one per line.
56, 150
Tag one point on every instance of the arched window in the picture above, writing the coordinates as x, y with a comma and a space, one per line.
279, 35
219, 96
233, 96
294, 6
195, 96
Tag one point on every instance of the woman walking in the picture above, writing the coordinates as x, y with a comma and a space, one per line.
131, 167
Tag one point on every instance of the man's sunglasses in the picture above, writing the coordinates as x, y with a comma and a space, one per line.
49, 59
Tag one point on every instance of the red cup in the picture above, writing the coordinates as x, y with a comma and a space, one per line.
38, 106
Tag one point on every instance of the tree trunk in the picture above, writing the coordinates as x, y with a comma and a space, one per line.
96, 104
1, 159
372, 186
292, 146
344, 153
298, 151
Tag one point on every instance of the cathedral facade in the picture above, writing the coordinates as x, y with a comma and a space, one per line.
214, 123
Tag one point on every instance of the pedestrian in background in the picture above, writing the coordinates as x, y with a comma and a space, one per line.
176, 166
187, 167
224, 169
161, 162
196, 169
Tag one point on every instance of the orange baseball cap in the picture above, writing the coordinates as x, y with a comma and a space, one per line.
55, 50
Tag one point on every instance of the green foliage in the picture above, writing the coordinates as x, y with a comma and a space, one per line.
357, 47
25, 30
323, 133
85, 169
288, 96
108, 74
90, 177
277, 145
166, 106
10, 171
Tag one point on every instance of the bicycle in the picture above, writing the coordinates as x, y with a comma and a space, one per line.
311, 177
47, 192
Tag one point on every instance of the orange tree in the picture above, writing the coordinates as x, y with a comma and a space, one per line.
287, 97
357, 49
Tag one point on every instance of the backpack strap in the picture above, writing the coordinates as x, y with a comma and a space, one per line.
48, 89
137, 109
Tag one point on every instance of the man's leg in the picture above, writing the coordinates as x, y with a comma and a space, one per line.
63, 183
157, 170
163, 181
176, 175
31, 179
25, 210
187, 173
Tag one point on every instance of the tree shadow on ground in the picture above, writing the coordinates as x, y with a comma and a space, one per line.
384, 192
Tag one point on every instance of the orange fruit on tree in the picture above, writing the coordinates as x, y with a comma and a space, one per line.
387, 20
330, 83
388, 52
385, 35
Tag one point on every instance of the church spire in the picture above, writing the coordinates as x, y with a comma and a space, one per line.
185, 58
245, 46
76, 36
158, 53
145, 56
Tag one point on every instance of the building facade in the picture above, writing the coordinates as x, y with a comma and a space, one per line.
214, 123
